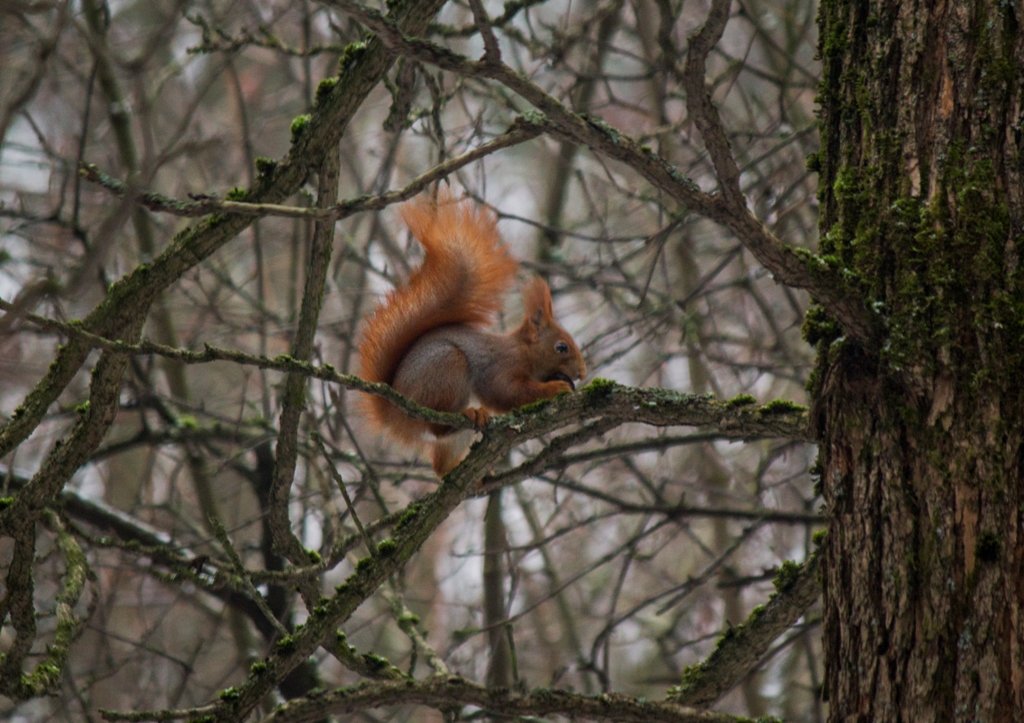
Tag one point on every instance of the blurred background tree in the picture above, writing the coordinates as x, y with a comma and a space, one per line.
213, 183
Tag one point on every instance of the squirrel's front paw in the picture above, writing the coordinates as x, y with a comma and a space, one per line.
561, 382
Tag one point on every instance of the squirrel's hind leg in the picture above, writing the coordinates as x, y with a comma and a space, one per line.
436, 374
449, 450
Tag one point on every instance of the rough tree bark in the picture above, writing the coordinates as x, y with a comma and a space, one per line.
921, 431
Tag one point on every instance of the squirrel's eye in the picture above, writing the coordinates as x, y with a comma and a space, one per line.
561, 347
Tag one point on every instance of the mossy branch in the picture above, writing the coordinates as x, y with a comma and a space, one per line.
738, 418
741, 648
441, 693
48, 672
599, 399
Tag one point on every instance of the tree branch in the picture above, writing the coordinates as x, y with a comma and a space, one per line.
421, 519
703, 112
601, 399
442, 692
742, 647
48, 672
520, 131
293, 398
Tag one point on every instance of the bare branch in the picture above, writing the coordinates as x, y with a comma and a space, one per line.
294, 393
520, 131
492, 54
703, 112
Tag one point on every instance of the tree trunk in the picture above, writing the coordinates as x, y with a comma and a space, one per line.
921, 433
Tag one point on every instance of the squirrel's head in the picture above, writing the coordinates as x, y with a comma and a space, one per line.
553, 355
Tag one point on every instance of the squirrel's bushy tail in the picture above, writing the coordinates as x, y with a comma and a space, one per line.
464, 276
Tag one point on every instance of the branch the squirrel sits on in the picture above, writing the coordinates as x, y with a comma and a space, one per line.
428, 338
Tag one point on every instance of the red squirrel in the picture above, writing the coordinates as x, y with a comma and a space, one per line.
428, 338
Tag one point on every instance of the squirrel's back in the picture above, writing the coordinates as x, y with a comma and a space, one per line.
465, 273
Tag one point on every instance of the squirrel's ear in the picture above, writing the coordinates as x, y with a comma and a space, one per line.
537, 302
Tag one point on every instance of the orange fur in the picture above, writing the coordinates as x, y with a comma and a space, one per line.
465, 272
